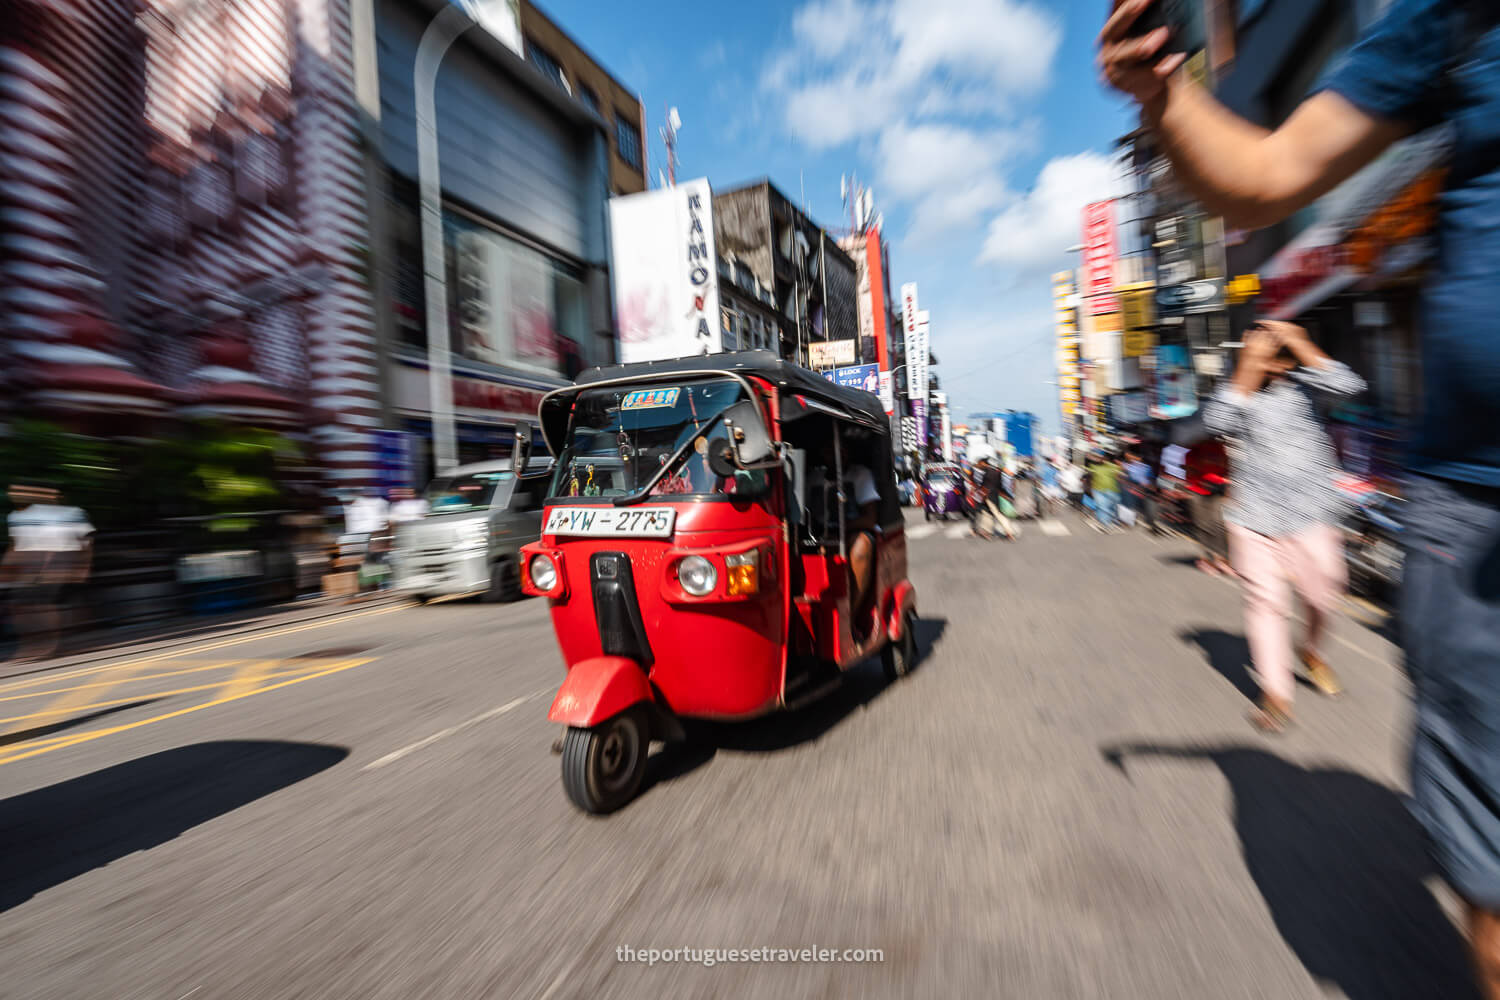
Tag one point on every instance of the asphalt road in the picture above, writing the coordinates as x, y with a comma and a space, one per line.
1064, 800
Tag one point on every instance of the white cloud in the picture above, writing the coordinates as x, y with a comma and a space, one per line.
952, 174
926, 87
870, 62
1032, 232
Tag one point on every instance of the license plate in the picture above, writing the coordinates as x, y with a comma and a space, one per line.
611, 522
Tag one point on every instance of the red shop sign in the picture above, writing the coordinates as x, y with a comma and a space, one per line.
472, 394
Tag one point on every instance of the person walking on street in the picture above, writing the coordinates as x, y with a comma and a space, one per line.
51, 549
1070, 478
1423, 63
1283, 518
1140, 480
1104, 490
992, 492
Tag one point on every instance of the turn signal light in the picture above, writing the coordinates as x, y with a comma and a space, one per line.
743, 573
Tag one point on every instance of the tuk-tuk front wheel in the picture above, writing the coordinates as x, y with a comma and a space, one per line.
602, 767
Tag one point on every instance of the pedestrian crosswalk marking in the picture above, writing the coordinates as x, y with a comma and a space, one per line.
921, 531
958, 531
1054, 528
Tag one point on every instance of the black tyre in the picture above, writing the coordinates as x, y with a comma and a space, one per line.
505, 582
602, 767
899, 657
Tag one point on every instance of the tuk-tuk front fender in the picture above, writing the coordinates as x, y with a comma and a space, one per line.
600, 688
903, 599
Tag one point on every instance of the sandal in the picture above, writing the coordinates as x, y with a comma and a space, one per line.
1204, 566
1321, 674
1269, 717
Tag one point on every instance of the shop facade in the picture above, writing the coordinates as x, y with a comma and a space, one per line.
523, 209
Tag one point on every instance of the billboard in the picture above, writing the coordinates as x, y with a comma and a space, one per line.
665, 272
866, 377
1176, 393
1099, 253
830, 353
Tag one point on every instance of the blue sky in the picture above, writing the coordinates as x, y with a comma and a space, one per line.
979, 125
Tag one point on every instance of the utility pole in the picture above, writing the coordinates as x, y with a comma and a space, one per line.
669, 138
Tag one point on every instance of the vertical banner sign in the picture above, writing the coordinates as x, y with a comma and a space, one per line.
919, 414
1099, 252
916, 356
875, 270
909, 327
666, 276
1069, 369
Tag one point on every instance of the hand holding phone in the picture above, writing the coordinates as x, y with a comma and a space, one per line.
1145, 41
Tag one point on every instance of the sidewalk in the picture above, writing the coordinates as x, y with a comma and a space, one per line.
104, 644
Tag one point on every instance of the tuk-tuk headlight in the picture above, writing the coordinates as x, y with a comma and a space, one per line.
743, 572
543, 573
697, 576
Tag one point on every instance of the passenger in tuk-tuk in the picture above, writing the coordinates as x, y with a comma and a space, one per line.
861, 521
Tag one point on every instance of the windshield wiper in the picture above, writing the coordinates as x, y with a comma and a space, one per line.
670, 464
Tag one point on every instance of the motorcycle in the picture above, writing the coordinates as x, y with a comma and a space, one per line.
1372, 539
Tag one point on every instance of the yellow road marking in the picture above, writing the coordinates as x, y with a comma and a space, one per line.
26, 750
248, 677
72, 706
69, 703
135, 679
322, 623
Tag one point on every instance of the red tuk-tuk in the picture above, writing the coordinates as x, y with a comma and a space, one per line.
706, 530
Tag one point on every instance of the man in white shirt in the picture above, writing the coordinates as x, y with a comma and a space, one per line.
51, 546
406, 506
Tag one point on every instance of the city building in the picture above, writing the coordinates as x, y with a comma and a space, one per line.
561, 59
785, 284
185, 222
526, 164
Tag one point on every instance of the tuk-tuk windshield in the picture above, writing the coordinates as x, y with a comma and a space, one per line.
620, 439
473, 491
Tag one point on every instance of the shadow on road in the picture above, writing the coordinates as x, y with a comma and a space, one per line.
1228, 654
55, 834
1340, 864
782, 730
10, 739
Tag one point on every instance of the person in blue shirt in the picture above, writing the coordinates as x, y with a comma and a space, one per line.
1424, 63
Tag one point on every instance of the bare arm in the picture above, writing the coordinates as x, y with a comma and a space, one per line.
1251, 176
1256, 178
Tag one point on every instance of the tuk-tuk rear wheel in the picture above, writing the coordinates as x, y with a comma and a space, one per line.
602, 767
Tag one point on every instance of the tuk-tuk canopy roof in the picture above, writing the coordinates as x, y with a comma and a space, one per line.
792, 380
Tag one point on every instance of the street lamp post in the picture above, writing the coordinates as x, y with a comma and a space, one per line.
441, 32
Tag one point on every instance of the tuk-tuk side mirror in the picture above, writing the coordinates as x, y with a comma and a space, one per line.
752, 443
520, 454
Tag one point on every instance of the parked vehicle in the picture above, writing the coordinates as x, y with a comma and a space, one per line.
469, 542
717, 583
